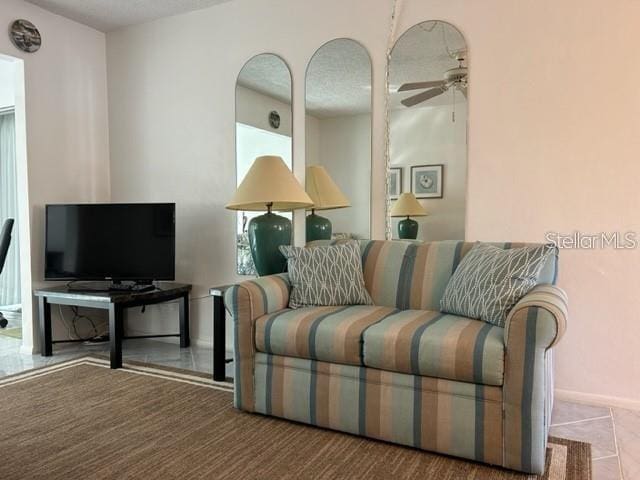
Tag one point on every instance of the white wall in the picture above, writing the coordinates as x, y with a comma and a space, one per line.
67, 151
343, 146
253, 108
7, 84
427, 136
545, 153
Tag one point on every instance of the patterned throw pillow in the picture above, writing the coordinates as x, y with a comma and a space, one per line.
489, 281
330, 275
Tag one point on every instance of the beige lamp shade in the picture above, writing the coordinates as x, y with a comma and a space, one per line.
323, 191
269, 181
407, 205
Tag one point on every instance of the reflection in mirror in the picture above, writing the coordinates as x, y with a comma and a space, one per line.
428, 132
338, 139
263, 127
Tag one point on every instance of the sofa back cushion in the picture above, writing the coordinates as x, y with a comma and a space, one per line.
414, 275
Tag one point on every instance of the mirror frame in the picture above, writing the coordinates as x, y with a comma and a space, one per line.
371, 140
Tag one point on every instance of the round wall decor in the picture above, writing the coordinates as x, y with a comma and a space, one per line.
25, 36
274, 119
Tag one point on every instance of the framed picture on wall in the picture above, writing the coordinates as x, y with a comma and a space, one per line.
395, 182
426, 181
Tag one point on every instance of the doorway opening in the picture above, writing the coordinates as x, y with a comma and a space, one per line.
16, 320
10, 299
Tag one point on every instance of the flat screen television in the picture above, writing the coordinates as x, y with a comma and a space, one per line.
116, 242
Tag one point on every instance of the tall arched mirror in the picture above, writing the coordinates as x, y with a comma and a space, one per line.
338, 141
263, 127
428, 81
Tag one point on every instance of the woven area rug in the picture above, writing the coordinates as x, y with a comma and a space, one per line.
81, 420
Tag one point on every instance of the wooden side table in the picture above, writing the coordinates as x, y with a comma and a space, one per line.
115, 302
219, 334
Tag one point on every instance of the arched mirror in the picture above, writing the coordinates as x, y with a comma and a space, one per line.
338, 141
428, 81
263, 127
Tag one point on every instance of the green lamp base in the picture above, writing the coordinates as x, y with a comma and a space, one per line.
266, 233
408, 229
318, 228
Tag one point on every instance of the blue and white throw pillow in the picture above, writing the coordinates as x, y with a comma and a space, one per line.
489, 281
327, 275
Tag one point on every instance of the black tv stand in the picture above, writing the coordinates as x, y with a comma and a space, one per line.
115, 303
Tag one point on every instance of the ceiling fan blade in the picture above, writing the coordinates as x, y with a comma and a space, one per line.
417, 85
421, 97
464, 91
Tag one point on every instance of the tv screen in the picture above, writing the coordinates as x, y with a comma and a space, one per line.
110, 242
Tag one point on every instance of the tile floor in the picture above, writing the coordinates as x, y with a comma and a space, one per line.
143, 350
614, 433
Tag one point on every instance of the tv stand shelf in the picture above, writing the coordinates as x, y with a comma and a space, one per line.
115, 302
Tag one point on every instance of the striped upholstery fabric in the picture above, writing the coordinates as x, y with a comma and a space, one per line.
535, 324
247, 302
331, 334
424, 342
412, 275
454, 418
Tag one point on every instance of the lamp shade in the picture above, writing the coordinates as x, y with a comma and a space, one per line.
269, 181
323, 191
408, 206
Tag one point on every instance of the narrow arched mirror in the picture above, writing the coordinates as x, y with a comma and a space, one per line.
428, 81
263, 127
338, 141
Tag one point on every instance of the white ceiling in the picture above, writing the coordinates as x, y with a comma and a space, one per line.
268, 74
109, 15
422, 53
338, 79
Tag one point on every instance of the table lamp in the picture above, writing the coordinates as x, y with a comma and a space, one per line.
408, 206
269, 185
325, 195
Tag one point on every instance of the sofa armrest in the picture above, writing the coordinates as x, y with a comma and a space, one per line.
548, 304
252, 299
534, 325
248, 301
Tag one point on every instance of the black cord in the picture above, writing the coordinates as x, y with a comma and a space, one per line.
77, 316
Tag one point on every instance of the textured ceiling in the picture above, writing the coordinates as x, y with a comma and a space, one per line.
338, 79
423, 53
268, 74
109, 15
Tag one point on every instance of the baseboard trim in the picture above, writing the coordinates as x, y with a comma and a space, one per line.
595, 399
199, 342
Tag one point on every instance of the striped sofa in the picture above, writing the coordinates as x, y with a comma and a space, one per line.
400, 370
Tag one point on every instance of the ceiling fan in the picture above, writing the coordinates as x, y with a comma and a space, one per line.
453, 78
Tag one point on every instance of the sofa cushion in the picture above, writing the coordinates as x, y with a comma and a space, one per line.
489, 281
326, 275
434, 344
330, 334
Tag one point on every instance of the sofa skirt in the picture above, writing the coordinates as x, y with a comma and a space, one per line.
444, 416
